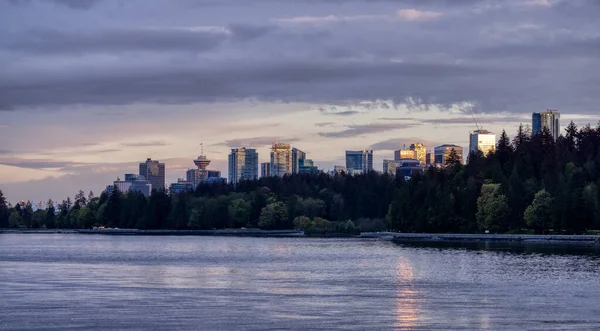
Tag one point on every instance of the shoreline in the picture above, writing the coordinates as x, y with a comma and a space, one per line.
400, 238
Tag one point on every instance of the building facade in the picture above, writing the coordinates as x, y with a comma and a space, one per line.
154, 173
482, 140
549, 119
242, 165
359, 161
420, 152
408, 167
307, 166
389, 167
297, 156
132, 183
442, 154
265, 169
404, 154
281, 159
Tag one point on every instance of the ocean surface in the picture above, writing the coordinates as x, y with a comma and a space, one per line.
96, 282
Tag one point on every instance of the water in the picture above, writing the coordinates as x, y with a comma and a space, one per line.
78, 282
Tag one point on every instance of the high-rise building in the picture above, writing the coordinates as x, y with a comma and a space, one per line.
404, 154
154, 173
442, 153
297, 155
389, 167
549, 119
243, 165
265, 169
359, 161
307, 166
420, 153
281, 159
483, 141
201, 174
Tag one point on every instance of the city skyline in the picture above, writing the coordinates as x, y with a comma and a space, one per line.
86, 94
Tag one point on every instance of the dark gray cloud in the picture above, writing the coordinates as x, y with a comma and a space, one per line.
479, 120
50, 41
357, 130
513, 56
256, 141
5, 151
73, 4
146, 143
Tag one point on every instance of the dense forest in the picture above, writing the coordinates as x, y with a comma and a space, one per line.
532, 183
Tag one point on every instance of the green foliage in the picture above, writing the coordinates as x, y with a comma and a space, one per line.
539, 214
274, 216
492, 209
4, 211
15, 220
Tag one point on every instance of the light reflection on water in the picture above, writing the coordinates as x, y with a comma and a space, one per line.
407, 313
222, 283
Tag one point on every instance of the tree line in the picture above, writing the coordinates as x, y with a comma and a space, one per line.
532, 183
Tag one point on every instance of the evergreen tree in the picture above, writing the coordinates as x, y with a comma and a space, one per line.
4, 211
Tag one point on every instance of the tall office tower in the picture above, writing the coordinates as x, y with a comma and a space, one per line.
297, 155
281, 159
389, 167
402, 154
483, 141
243, 165
549, 119
442, 153
154, 173
359, 161
265, 169
420, 153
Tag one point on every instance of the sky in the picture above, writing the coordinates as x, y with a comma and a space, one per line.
90, 88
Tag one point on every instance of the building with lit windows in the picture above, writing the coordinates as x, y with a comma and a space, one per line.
420, 153
549, 119
482, 140
154, 173
243, 165
359, 161
442, 154
281, 159
404, 154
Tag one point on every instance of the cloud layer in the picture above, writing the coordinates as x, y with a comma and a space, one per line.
510, 56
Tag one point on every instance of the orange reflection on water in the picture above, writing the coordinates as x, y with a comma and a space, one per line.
407, 297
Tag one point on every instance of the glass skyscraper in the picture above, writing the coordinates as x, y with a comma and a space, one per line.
359, 161
281, 159
483, 141
297, 155
549, 119
243, 165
